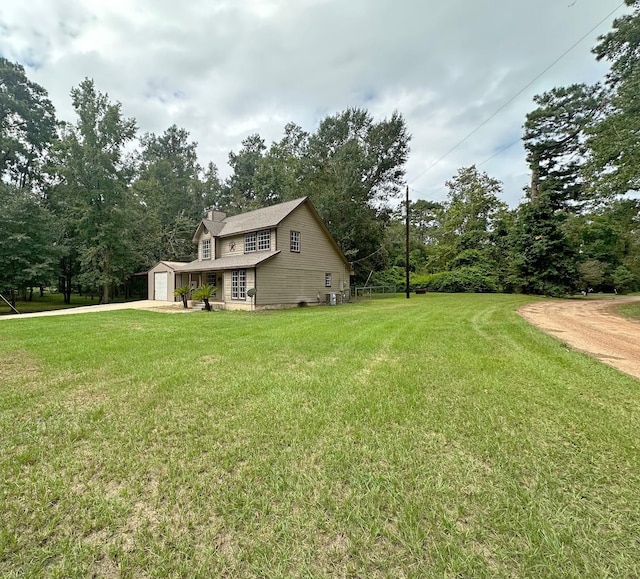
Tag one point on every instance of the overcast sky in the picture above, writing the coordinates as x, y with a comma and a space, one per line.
224, 69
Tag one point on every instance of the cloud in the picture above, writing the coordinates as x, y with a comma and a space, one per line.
226, 69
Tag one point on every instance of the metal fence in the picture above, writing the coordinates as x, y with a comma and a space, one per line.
375, 291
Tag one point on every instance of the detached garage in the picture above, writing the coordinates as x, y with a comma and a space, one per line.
162, 281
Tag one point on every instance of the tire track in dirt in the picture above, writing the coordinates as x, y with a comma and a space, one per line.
591, 326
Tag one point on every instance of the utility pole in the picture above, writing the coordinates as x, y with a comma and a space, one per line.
406, 249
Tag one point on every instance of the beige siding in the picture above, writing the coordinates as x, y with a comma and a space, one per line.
224, 245
202, 237
229, 301
171, 281
291, 277
182, 279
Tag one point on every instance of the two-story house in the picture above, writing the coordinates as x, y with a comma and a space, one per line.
283, 252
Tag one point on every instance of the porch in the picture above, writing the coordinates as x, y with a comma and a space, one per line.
195, 279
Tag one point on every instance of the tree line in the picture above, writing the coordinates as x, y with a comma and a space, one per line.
87, 204
578, 227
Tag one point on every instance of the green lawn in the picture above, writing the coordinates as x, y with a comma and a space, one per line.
436, 436
50, 301
630, 310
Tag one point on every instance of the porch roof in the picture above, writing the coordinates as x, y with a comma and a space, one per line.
230, 262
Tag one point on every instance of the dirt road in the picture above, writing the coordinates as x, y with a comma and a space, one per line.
591, 326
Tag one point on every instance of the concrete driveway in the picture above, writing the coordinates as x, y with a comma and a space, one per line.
173, 307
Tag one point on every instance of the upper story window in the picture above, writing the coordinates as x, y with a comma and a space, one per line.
295, 241
259, 240
206, 249
249, 241
264, 240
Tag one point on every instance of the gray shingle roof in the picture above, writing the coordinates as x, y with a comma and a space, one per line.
174, 264
213, 227
264, 218
240, 261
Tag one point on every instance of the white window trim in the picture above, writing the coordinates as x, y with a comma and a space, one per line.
264, 240
250, 242
294, 241
206, 254
239, 284
327, 280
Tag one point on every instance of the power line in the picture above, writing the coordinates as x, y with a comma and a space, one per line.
516, 95
500, 151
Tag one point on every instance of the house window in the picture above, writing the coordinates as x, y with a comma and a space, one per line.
211, 279
249, 242
239, 284
206, 249
259, 241
327, 280
264, 240
295, 241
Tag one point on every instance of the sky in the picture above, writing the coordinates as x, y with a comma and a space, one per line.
225, 69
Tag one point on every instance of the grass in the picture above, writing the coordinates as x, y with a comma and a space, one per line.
49, 301
630, 310
436, 436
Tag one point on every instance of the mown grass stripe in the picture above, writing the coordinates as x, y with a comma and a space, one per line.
437, 435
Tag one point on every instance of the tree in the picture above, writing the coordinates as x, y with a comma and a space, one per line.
609, 235
554, 139
94, 175
354, 167
543, 260
421, 223
27, 126
592, 274
624, 280
351, 167
211, 190
169, 163
172, 191
471, 207
426, 217
279, 173
29, 248
240, 187
614, 163
468, 215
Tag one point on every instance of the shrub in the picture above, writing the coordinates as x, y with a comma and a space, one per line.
461, 280
623, 280
470, 258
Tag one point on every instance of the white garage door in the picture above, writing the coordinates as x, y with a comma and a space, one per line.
160, 286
